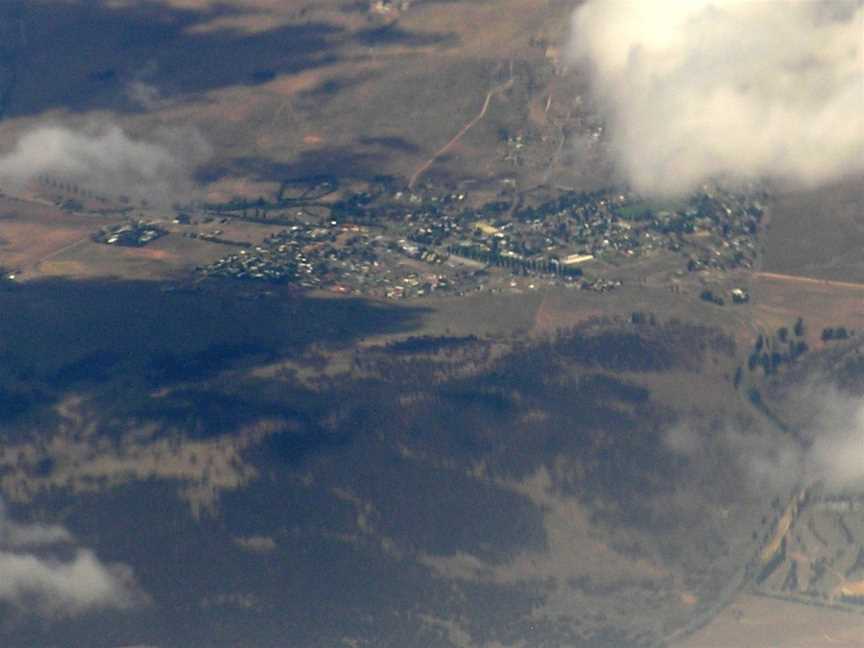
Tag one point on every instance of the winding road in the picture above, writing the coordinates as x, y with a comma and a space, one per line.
467, 127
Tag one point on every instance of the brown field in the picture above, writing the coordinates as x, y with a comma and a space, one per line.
170, 256
568, 307
781, 299
761, 622
32, 233
818, 233
366, 101
38, 239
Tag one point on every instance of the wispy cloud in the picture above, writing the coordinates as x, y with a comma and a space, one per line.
836, 451
829, 449
104, 158
34, 581
145, 95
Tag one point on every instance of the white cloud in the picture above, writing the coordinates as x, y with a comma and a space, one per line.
55, 587
836, 452
734, 89
104, 158
37, 583
757, 460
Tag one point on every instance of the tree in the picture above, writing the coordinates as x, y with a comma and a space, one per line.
799, 328
709, 296
840, 333
753, 360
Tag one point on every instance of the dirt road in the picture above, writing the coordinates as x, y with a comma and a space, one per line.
467, 127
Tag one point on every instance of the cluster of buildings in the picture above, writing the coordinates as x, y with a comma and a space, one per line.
132, 234
715, 231
342, 258
389, 8
403, 244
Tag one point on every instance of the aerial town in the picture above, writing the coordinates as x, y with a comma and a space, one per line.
401, 244
377, 238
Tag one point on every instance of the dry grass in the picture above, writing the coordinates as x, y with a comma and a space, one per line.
818, 233
32, 233
85, 463
779, 300
759, 622
420, 85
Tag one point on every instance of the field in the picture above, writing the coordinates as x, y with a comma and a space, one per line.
780, 299
488, 489
763, 622
291, 89
40, 240
818, 233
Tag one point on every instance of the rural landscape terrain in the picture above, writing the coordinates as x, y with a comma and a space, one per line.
343, 324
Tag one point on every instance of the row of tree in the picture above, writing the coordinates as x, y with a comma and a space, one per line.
783, 347
838, 333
